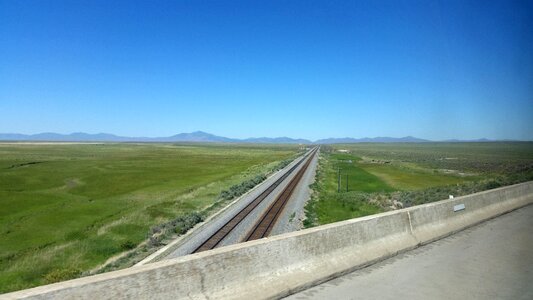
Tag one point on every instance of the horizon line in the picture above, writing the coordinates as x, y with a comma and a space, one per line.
132, 138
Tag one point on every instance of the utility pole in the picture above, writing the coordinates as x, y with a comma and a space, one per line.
346, 182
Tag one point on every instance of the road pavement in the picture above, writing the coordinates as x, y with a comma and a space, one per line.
492, 260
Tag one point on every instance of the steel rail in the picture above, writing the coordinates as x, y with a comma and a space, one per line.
221, 233
264, 225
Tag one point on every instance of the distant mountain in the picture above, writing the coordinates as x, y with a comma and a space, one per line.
474, 140
197, 136
200, 136
73, 137
279, 140
347, 140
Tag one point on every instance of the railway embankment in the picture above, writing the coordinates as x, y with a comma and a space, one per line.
198, 236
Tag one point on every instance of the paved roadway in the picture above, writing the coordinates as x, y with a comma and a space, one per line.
493, 260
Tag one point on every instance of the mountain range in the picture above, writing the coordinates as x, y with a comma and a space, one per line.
200, 136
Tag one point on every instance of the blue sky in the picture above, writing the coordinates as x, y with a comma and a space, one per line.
307, 69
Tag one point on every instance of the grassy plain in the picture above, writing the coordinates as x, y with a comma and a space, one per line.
65, 209
413, 173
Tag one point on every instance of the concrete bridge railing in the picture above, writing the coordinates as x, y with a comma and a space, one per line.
283, 264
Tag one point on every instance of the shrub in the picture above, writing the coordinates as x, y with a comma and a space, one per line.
238, 189
61, 275
179, 225
127, 245
155, 241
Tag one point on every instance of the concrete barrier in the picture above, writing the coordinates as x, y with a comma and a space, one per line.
435, 220
281, 265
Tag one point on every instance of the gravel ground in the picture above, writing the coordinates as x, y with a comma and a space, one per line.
293, 214
298, 199
186, 244
240, 232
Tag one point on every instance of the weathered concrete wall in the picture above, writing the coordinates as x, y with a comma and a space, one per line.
286, 263
435, 220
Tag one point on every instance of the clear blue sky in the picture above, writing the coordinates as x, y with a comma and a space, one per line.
307, 69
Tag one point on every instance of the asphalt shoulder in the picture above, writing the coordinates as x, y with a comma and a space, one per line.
492, 260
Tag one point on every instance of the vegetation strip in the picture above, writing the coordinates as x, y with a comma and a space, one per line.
381, 177
111, 204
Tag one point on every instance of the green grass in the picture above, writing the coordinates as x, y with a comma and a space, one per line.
484, 157
352, 176
339, 207
328, 205
411, 173
405, 178
66, 209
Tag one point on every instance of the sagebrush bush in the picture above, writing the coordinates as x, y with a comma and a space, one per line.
238, 189
127, 245
57, 275
180, 225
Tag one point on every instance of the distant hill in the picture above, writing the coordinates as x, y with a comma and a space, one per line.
200, 136
279, 140
197, 136
475, 140
347, 140
56, 137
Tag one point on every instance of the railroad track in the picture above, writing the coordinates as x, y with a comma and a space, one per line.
267, 221
220, 234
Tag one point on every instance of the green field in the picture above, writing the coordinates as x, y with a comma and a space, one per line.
67, 208
373, 176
